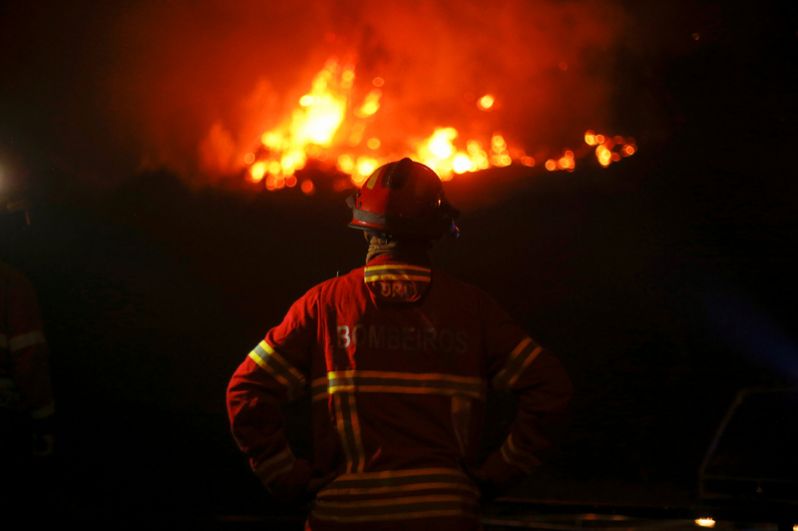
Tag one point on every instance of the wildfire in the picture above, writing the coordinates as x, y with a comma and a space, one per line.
610, 149
331, 124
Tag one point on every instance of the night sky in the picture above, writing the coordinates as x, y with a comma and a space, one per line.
665, 283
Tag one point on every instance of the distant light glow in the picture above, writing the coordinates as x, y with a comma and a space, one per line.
705, 522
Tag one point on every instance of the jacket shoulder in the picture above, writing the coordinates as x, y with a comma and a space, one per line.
332, 285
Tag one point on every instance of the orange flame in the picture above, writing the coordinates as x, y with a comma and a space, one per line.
610, 149
331, 123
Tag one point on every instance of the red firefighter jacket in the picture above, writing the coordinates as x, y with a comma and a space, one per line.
24, 370
397, 359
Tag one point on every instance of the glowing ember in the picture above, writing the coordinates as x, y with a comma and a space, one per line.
333, 123
610, 149
486, 102
566, 162
307, 187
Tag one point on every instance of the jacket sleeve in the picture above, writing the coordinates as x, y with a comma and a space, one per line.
274, 372
518, 364
28, 350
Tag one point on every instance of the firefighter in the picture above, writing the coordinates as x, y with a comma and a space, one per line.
397, 357
26, 399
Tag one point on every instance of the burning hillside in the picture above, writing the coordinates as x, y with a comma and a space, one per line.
215, 91
334, 124
261, 90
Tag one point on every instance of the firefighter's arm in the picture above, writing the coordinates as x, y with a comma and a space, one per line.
30, 366
254, 397
520, 365
543, 390
273, 373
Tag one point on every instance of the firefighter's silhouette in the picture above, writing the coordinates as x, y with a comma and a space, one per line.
397, 357
26, 399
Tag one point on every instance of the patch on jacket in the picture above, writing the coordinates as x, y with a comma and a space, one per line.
397, 282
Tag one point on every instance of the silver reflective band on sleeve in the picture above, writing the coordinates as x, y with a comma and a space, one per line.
277, 465
520, 358
272, 362
43, 412
26, 340
512, 455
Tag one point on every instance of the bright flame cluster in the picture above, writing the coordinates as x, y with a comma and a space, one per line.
330, 124
311, 128
609, 148
440, 153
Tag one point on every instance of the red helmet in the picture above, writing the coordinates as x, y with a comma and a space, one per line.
403, 198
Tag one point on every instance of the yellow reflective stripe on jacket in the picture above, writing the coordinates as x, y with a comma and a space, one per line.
520, 358
513, 456
409, 267
388, 482
398, 382
29, 339
402, 500
318, 389
43, 412
397, 272
347, 423
387, 514
395, 276
277, 366
275, 466
397, 495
